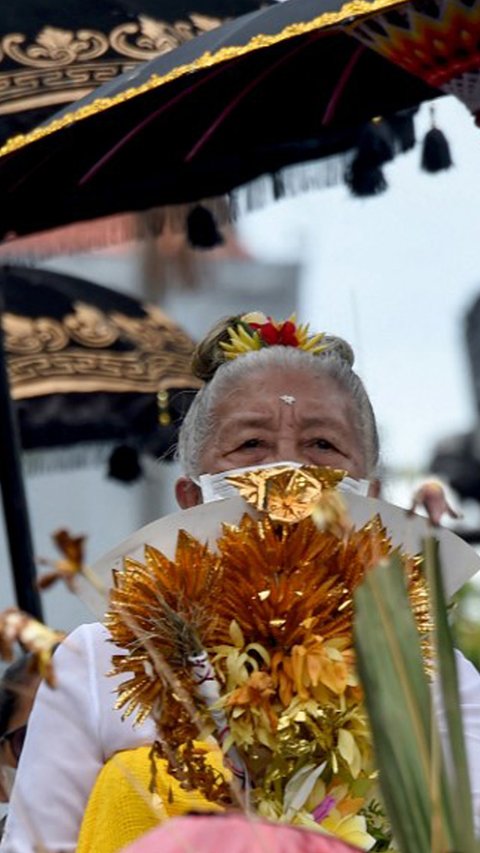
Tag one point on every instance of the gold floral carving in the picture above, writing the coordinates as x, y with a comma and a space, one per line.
47, 356
55, 47
26, 335
90, 327
60, 66
152, 37
204, 23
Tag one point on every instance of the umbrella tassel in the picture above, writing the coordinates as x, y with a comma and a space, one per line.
403, 128
376, 146
124, 464
436, 154
202, 230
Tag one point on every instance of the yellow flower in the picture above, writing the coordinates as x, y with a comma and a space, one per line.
349, 751
315, 663
256, 692
350, 828
312, 664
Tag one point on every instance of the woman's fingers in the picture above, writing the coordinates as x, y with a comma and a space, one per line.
431, 497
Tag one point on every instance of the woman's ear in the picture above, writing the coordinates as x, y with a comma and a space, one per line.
187, 493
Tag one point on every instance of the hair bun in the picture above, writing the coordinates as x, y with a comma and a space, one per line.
339, 347
208, 355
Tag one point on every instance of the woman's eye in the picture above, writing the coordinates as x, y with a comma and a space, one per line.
250, 443
323, 444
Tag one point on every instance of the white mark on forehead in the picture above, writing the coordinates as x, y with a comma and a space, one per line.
288, 399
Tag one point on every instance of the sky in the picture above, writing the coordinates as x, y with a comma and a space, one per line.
394, 275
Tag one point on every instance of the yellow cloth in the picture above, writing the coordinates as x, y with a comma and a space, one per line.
121, 808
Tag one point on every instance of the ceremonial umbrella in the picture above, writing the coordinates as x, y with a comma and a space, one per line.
279, 86
85, 365
56, 52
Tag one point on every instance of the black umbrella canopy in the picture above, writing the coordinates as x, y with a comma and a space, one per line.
56, 51
279, 86
87, 364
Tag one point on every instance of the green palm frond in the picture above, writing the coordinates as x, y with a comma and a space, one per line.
429, 806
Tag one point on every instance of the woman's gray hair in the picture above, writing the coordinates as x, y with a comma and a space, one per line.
336, 362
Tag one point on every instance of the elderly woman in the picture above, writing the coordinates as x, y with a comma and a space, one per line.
286, 397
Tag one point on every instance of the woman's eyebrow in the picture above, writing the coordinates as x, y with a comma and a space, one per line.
245, 420
321, 420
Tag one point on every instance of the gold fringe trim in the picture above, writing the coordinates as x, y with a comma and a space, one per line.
353, 9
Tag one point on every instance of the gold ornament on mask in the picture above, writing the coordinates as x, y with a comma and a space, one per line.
287, 494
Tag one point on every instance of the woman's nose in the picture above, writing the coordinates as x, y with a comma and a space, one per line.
287, 450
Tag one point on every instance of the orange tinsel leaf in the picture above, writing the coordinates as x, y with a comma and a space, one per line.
158, 613
72, 548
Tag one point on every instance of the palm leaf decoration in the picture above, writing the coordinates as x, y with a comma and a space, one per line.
429, 806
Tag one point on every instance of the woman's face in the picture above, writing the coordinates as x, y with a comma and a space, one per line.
278, 415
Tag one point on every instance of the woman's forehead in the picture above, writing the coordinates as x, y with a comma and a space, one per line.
260, 395
263, 374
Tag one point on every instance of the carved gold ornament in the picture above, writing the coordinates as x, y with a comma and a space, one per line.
77, 353
287, 494
151, 37
55, 47
84, 59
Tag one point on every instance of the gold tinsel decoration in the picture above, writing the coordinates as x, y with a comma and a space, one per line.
270, 613
287, 494
159, 611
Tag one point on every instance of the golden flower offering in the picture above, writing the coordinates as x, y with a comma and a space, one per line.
251, 643
71, 564
37, 639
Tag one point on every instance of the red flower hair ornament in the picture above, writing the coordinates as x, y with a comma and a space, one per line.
256, 331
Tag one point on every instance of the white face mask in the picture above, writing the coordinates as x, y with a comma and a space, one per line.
215, 487
7, 778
